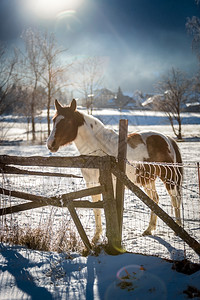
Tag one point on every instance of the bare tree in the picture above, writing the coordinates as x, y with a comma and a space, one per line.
193, 27
196, 87
31, 69
175, 88
41, 66
53, 75
89, 77
8, 76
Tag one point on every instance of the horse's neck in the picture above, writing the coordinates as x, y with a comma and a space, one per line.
94, 138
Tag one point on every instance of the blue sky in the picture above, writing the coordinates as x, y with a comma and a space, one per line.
139, 39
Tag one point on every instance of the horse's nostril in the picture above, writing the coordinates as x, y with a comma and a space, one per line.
52, 146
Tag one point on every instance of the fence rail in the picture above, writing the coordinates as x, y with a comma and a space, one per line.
82, 161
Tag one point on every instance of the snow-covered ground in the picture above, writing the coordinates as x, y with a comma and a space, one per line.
28, 274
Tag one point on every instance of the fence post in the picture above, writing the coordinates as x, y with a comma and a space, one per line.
110, 209
78, 225
122, 150
198, 173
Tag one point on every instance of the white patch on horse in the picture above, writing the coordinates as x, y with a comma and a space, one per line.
94, 138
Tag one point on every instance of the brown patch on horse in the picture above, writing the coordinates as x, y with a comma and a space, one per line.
134, 139
159, 152
67, 127
178, 171
176, 149
158, 149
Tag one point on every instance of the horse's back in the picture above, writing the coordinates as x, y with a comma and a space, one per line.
159, 148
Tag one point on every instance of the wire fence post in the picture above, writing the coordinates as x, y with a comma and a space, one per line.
198, 172
110, 209
122, 150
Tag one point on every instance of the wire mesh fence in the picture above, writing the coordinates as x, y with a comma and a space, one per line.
163, 242
55, 230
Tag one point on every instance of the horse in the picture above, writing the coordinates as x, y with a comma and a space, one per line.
92, 137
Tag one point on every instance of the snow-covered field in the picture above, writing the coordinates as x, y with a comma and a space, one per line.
15, 128
28, 274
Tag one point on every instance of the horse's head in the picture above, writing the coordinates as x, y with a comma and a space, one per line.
65, 125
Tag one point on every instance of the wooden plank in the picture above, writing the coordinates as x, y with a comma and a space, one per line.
112, 224
61, 201
195, 245
32, 205
79, 226
12, 170
80, 194
87, 204
122, 151
20, 208
83, 161
25, 196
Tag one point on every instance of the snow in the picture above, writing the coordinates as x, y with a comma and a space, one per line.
137, 121
30, 274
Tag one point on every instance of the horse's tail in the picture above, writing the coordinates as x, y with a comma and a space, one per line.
178, 169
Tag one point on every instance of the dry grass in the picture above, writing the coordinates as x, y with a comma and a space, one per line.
61, 239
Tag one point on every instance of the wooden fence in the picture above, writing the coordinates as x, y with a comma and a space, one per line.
113, 207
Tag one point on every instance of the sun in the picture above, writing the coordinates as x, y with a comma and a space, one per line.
50, 8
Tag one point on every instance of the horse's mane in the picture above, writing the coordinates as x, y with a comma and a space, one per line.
103, 135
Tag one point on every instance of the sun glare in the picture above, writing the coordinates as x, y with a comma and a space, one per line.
51, 8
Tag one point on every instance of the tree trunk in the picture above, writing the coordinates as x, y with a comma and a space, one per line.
33, 118
172, 123
48, 109
179, 135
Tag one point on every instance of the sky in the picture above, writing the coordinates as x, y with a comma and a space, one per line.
140, 40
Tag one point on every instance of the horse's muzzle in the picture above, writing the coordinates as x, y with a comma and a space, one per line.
52, 146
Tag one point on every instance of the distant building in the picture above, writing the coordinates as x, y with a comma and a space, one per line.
103, 98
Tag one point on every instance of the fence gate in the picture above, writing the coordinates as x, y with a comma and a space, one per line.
8, 166
113, 208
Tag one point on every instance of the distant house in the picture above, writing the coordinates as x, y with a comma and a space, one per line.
103, 97
106, 98
192, 107
151, 102
154, 101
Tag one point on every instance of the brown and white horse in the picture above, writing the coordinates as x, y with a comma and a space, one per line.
92, 137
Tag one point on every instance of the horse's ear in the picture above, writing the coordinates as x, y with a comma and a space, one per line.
73, 105
58, 106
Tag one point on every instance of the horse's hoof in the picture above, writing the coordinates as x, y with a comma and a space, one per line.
96, 239
147, 232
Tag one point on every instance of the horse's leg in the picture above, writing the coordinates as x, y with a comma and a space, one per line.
150, 189
172, 178
97, 215
175, 200
91, 177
